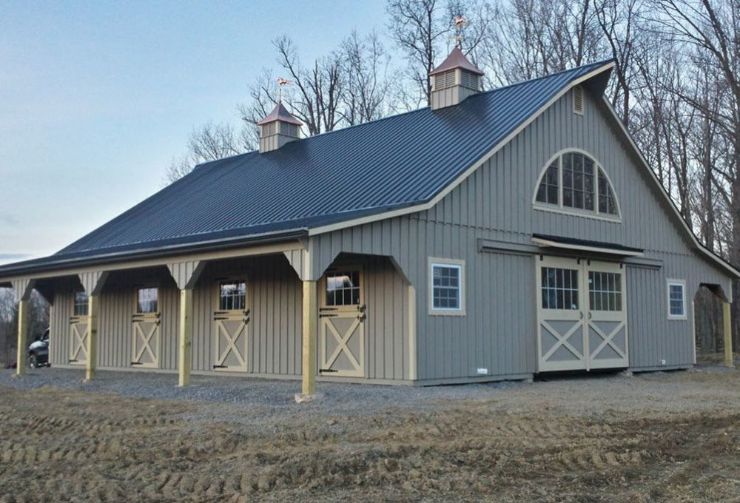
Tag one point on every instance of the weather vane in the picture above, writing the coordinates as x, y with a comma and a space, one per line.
281, 82
459, 22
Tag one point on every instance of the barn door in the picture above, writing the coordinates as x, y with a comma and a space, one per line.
145, 342
78, 340
231, 330
561, 343
342, 324
606, 321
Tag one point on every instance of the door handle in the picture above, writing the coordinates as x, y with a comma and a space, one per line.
589, 315
581, 314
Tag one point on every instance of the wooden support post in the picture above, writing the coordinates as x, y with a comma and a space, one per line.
93, 320
92, 282
412, 333
186, 275
310, 336
729, 355
24, 325
184, 359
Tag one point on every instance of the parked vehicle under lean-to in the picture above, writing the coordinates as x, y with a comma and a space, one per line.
38, 351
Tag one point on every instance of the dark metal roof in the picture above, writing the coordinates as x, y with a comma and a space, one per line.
456, 59
391, 163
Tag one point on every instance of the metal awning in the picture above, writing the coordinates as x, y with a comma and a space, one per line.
563, 243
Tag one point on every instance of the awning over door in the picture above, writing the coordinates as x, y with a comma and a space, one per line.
563, 243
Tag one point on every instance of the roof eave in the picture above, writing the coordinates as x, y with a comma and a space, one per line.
24, 268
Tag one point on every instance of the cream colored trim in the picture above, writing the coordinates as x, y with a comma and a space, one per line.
445, 262
155, 262
666, 197
595, 249
560, 208
452, 185
682, 283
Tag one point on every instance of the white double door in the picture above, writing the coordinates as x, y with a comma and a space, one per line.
581, 314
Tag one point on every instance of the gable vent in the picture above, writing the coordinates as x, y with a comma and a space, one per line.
578, 100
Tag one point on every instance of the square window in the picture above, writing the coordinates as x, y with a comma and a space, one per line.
232, 296
446, 287
147, 300
80, 307
342, 288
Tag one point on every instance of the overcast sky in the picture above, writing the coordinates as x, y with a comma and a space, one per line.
96, 98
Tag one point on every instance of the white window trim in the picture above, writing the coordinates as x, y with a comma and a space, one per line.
565, 210
446, 262
682, 284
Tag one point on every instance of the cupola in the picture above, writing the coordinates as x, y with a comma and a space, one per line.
454, 80
278, 128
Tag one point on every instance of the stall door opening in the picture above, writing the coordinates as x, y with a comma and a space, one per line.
342, 324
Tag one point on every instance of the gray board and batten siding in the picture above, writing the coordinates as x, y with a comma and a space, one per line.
495, 202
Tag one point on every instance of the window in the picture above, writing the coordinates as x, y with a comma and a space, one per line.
574, 182
559, 288
676, 299
343, 288
447, 287
146, 300
80, 308
232, 296
604, 291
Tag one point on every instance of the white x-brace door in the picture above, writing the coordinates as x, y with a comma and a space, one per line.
606, 321
342, 330
231, 340
145, 341
581, 314
78, 340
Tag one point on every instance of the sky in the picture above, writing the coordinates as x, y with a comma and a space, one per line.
97, 98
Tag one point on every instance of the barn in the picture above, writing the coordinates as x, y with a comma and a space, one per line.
493, 235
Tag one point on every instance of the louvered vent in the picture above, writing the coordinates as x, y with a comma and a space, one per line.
444, 80
470, 80
578, 100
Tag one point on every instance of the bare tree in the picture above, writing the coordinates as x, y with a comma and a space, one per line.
535, 38
209, 142
618, 20
367, 89
418, 28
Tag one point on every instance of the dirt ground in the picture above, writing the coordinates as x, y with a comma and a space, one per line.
671, 436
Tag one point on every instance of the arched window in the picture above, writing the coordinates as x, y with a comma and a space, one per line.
573, 181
